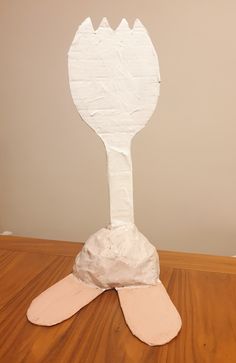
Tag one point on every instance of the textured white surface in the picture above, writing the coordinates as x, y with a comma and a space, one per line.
118, 257
114, 81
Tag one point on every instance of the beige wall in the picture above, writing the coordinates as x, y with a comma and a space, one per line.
53, 167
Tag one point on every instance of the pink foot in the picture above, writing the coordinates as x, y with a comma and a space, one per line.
150, 313
60, 301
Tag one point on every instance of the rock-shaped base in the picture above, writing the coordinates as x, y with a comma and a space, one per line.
117, 257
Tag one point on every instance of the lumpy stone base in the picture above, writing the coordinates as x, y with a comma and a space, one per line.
117, 257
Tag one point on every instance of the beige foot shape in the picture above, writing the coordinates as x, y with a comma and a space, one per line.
149, 313
60, 301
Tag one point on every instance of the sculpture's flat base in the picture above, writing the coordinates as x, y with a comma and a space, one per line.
60, 301
148, 310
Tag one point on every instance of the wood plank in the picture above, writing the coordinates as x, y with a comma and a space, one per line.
4, 255
17, 269
200, 262
42, 246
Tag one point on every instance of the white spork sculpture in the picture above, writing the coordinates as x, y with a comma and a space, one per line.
114, 81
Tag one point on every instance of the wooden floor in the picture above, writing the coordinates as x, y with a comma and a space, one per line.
202, 287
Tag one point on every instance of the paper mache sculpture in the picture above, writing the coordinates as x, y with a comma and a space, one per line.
114, 81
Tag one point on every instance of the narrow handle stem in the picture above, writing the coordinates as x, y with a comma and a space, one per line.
120, 178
